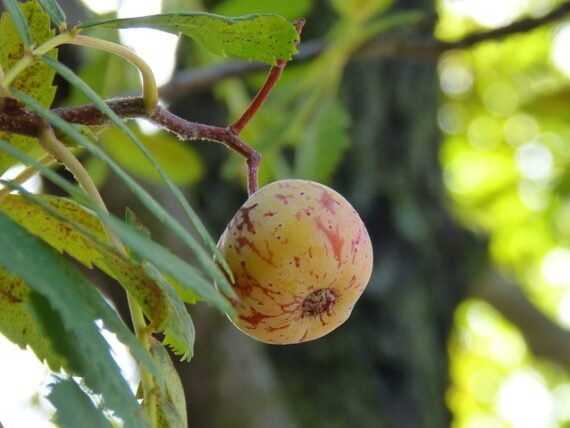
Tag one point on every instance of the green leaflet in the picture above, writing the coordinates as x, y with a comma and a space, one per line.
36, 80
64, 238
171, 407
54, 11
74, 408
19, 325
259, 37
62, 284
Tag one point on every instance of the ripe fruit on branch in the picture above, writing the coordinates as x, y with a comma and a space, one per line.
300, 256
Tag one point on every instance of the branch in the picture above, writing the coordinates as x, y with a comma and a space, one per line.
195, 80
545, 338
17, 121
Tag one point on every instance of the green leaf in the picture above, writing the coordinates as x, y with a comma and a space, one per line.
18, 324
260, 37
172, 405
36, 80
54, 11
179, 334
323, 143
90, 250
74, 408
288, 9
100, 309
205, 260
18, 20
178, 159
51, 276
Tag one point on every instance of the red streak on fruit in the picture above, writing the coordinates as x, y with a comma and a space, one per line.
242, 242
270, 329
245, 220
334, 239
328, 202
284, 198
297, 261
269, 213
255, 318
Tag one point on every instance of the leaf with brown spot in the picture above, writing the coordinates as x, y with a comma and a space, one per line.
36, 80
89, 251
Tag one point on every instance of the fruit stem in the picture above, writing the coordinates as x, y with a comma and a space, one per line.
272, 78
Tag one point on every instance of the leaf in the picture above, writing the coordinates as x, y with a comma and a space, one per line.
18, 20
18, 324
59, 282
204, 259
172, 406
288, 9
36, 80
323, 143
259, 37
178, 160
74, 408
55, 12
179, 334
87, 250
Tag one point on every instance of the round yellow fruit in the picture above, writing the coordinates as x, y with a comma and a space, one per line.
301, 258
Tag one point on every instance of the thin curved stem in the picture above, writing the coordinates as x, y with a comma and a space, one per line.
150, 89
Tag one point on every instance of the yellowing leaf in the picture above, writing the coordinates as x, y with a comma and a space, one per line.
36, 80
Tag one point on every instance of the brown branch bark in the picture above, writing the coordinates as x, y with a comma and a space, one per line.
17, 121
190, 81
545, 338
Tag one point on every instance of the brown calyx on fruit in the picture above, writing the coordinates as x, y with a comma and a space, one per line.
317, 303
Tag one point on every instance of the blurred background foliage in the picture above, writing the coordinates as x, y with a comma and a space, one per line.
498, 118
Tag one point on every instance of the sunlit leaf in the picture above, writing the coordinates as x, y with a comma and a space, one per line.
63, 237
259, 37
74, 408
36, 80
18, 324
45, 271
19, 21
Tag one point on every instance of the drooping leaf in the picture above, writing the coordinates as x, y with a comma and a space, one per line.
205, 259
74, 408
179, 334
51, 276
36, 80
64, 238
54, 11
259, 37
172, 405
323, 143
99, 308
18, 324
179, 160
